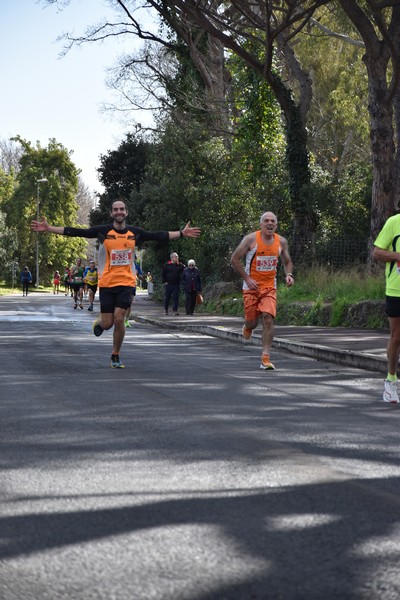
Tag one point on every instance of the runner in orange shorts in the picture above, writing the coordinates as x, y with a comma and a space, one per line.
262, 250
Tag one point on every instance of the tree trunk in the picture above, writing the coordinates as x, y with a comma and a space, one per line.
383, 96
382, 145
298, 168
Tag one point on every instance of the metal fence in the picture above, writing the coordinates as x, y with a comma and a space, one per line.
337, 253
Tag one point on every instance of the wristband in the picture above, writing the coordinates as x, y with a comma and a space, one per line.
181, 233
289, 275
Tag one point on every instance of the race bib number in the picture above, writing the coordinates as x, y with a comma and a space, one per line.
78, 279
120, 258
266, 263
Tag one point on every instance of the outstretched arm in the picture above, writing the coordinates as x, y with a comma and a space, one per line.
43, 225
187, 231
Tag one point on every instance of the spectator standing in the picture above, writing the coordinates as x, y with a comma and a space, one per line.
192, 285
171, 279
26, 279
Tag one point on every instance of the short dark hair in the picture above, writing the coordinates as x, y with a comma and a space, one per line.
120, 199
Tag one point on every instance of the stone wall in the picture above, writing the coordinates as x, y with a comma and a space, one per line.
369, 314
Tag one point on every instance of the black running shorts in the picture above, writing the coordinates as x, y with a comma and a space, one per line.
393, 306
115, 297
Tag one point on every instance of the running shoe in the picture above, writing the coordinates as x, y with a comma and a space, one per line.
90, 307
266, 364
127, 324
116, 363
246, 332
75, 306
390, 393
97, 328
80, 306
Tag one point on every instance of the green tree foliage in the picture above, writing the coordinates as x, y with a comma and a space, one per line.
224, 182
192, 176
8, 235
57, 203
121, 172
338, 120
338, 124
7, 185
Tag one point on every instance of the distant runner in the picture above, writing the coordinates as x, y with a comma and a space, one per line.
91, 280
77, 272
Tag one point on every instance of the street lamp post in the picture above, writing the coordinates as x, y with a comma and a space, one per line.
38, 181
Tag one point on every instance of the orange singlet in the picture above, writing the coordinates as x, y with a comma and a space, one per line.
116, 259
261, 265
262, 262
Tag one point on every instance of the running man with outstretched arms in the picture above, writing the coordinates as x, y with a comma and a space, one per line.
116, 269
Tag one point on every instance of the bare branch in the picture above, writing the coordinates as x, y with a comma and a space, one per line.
340, 36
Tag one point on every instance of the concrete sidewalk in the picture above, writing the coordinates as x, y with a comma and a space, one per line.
360, 348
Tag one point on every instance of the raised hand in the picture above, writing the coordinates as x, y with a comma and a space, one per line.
40, 225
191, 231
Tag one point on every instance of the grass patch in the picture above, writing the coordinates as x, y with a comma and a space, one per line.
6, 290
320, 297
349, 286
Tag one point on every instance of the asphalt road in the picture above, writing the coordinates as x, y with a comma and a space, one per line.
190, 474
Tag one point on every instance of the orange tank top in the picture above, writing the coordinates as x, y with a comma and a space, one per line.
262, 261
116, 260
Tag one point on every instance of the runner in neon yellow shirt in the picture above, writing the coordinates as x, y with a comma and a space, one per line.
387, 250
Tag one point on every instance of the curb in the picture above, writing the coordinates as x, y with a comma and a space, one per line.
347, 358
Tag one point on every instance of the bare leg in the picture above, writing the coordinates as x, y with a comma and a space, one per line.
251, 324
119, 329
393, 347
268, 332
128, 311
106, 320
80, 295
91, 299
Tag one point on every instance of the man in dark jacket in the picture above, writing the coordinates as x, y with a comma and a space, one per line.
171, 278
192, 286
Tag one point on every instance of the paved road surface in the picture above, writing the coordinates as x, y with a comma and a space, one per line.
352, 347
190, 474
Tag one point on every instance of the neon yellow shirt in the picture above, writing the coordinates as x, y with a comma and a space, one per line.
389, 239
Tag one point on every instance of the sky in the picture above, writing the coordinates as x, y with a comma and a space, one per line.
44, 96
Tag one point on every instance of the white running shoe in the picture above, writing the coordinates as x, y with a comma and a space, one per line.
390, 393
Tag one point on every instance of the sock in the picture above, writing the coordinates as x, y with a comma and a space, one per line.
391, 377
